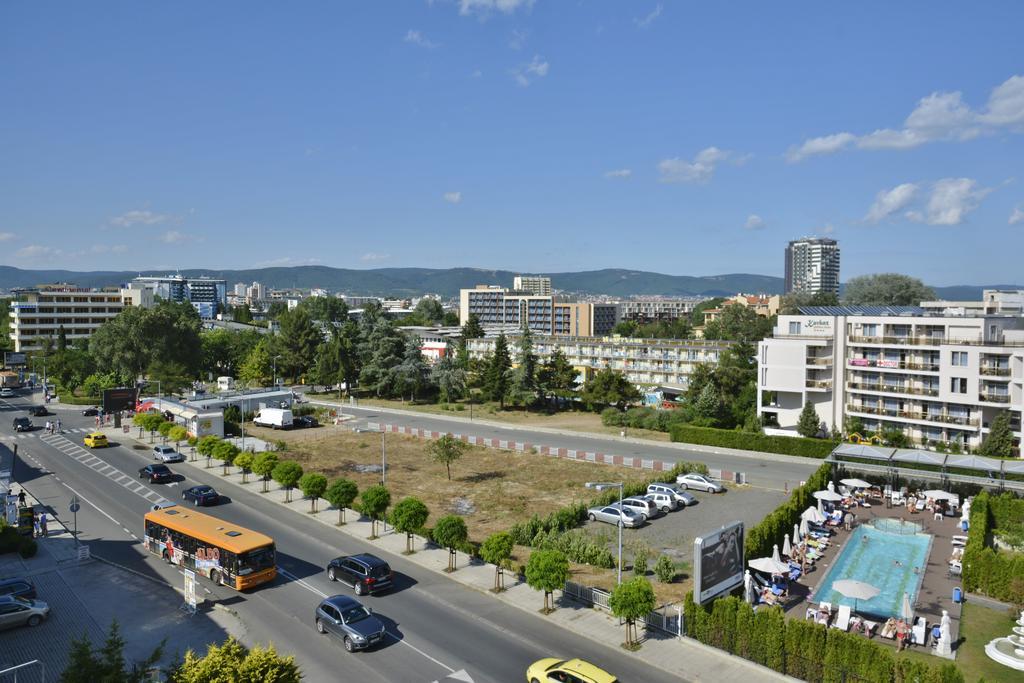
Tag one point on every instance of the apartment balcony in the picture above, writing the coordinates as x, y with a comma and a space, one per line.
994, 398
899, 340
995, 371
892, 389
820, 361
823, 384
892, 365
940, 418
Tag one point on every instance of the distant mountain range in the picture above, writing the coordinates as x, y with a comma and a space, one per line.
409, 282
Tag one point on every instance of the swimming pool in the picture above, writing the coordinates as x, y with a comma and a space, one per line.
884, 560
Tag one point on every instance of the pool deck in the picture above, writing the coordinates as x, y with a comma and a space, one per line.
936, 590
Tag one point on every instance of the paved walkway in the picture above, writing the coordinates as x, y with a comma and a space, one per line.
684, 657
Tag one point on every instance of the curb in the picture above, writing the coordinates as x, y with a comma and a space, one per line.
162, 582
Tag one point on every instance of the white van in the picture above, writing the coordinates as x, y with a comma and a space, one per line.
278, 418
225, 383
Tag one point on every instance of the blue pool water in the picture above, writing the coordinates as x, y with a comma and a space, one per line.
884, 560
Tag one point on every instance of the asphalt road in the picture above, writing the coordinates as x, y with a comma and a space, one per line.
766, 471
438, 628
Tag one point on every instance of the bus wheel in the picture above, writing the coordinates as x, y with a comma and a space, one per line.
215, 577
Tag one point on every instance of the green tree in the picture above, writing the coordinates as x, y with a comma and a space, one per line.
264, 465
557, 377
374, 502
177, 434
999, 441
107, 664
225, 452
446, 450
808, 423
886, 289
497, 550
496, 373
298, 342
547, 570
257, 369
412, 373
408, 517
150, 422
313, 485
632, 600
341, 493
708, 405
739, 323
697, 316
164, 429
449, 377
231, 662
665, 569
244, 462
792, 302
241, 314
451, 532
384, 350
287, 473
522, 390
609, 387
205, 446
428, 311
325, 308
472, 329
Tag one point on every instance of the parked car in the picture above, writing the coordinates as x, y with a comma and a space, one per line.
641, 506
38, 411
96, 440
6, 392
663, 501
348, 619
156, 473
305, 421
22, 424
574, 670
679, 495
16, 611
366, 573
18, 587
167, 454
612, 515
201, 495
91, 412
698, 482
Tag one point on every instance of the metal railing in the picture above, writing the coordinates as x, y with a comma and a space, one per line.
818, 384
893, 389
817, 360
667, 618
994, 371
927, 340
912, 415
891, 365
994, 398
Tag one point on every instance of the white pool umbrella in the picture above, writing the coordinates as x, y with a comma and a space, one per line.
769, 565
828, 495
813, 515
804, 529
858, 590
940, 495
797, 533
775, 553
855, 483
787, 548
832, 486
906, 611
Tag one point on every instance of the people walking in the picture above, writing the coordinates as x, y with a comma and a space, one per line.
35, 525
42, 523
49, 430
21, 498
59, 431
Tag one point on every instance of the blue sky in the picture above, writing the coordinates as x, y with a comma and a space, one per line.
678, 137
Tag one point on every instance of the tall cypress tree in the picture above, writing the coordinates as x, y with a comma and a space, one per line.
808, 425
496, 376
999, 442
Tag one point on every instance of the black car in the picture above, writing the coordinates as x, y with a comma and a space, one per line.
91, 412
304, 421
22, 424
156, 473
366, 573
201, 495
348, 619
38, 411
19, 588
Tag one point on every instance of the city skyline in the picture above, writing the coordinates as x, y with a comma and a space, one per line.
361, 137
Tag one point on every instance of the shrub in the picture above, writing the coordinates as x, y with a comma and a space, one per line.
665, 569
28, 548
727, 438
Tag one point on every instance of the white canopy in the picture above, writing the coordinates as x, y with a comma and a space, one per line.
936, 494
769, 565
855, 483
858, 590
812, 514
828, 495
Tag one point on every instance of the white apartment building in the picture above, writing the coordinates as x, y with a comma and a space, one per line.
940, 379
494, 305
38, 314
993, 302
644, 362
652, 310
533, 284
812, 265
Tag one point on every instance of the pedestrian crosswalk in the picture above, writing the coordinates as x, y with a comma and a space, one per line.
42, 432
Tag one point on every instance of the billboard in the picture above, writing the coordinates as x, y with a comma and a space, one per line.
718, 562
12, 359
121, 398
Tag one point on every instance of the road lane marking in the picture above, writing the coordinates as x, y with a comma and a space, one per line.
100, 466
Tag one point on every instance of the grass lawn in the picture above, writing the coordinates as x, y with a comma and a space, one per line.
572, 420
491, 489
978, 626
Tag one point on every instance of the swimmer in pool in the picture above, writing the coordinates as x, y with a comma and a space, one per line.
897, 563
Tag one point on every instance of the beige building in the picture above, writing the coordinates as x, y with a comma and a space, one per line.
494, 305
532, 284
762, 304
39, 314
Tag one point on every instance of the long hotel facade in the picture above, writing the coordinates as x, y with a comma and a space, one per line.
937, 378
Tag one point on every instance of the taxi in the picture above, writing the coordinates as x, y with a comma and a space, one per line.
96, 440
552, 669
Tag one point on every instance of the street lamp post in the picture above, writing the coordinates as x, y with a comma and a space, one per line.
241, 420
601, 486
275, 369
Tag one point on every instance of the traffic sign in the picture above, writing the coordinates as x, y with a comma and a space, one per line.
74, 507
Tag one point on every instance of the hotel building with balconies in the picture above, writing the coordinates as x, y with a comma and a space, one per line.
936, 378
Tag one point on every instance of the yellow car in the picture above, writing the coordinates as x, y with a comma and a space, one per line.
551, 670
96, 440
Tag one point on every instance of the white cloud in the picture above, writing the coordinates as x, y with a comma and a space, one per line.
888, 202
37, 252
938, 116
700, 170
139, 217
526, 73
7, 236
619, 173
286, 261
517, 39
373, 256
417, 38
952, 199
486, 7
97, 249
175, 237
754, 222
649, 19
452, 197
1017, 216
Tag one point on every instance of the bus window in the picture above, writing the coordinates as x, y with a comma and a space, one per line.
255, 560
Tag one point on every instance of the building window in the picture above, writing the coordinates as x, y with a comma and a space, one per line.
960, 359
870, 330
958, 385
794, 327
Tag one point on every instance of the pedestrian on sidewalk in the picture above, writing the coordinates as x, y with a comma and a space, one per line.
49, 430
59, 431
35, 525
21, 498
42, 523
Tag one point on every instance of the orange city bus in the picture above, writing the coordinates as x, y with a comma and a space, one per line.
226, 553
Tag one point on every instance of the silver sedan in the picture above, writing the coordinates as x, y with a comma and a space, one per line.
613, 515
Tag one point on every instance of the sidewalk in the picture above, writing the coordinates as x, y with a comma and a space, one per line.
679, 656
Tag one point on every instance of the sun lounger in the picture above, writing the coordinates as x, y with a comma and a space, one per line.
824, 619
959, 540
889, 629
869, 627
843, 618
920, 631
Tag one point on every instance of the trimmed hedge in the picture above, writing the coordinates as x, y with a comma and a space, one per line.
751, 441
989, 571
803, 649
773, 528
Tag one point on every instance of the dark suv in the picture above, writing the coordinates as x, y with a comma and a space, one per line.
156, 473
19, 588
22, 424
366, 573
